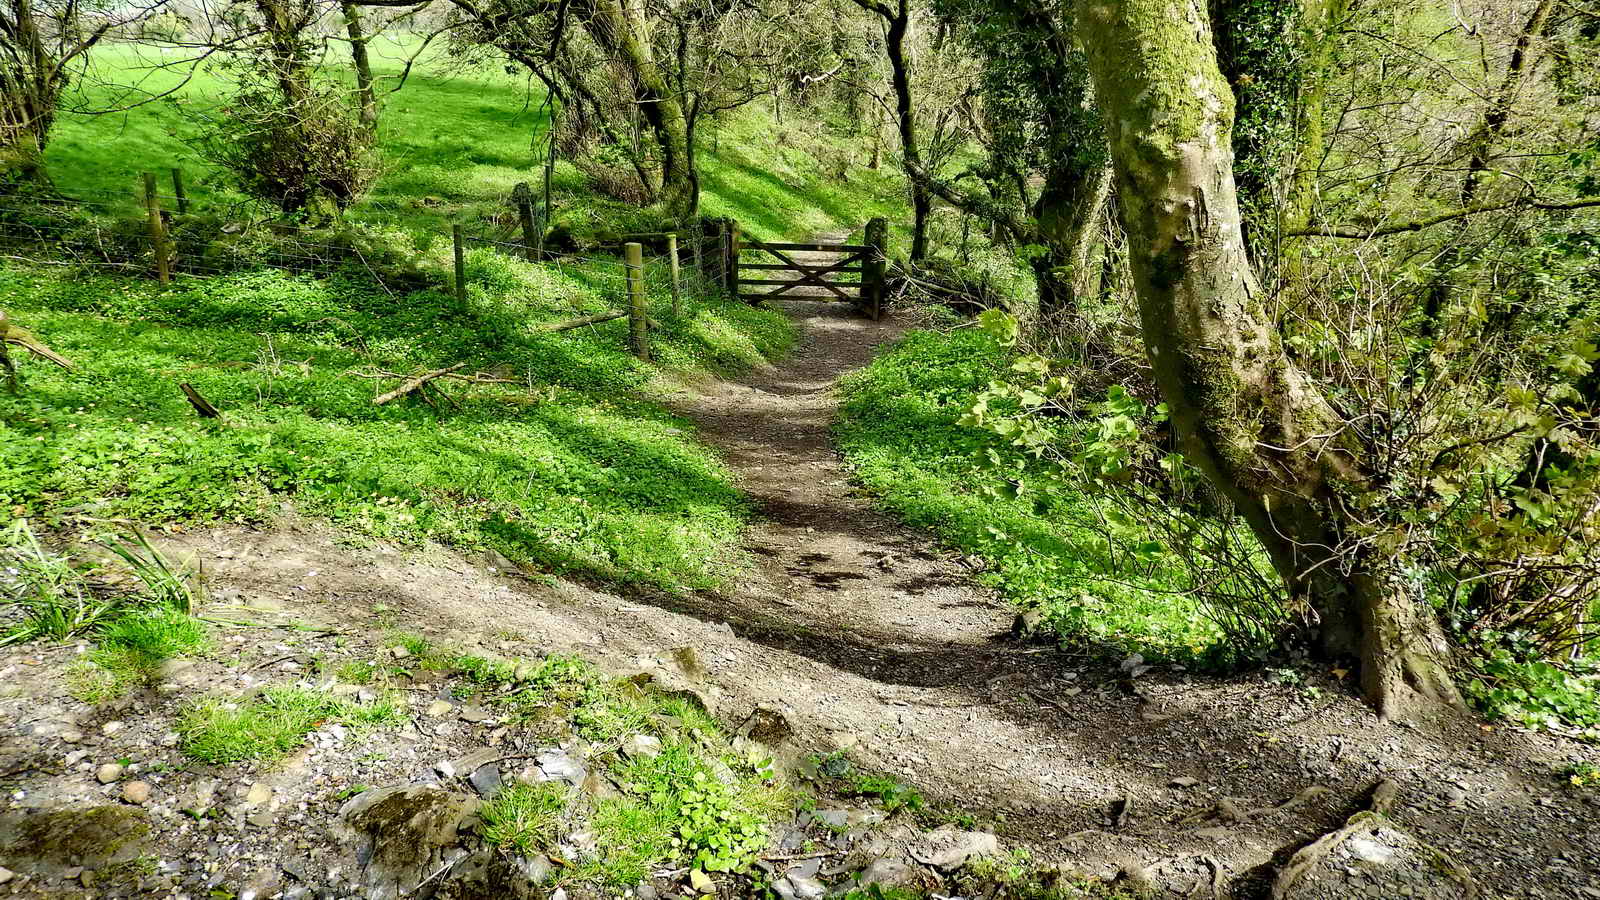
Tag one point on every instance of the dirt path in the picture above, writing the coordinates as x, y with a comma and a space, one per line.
910, 664
871, 640
825, 559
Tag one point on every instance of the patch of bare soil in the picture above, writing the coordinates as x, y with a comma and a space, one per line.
870, 639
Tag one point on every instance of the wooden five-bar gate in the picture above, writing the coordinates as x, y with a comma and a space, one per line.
837, 273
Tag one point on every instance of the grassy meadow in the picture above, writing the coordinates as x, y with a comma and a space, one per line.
455, 140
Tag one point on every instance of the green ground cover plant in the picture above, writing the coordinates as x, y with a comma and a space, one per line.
693, 798
574, 468
271, 724
900, 430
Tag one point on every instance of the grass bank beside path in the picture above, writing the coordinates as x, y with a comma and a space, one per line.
899, 432
574, 468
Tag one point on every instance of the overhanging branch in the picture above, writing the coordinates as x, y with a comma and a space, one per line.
1363, 232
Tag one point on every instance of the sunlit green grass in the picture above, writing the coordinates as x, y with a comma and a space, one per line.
573, 468
899, 432
131, 649
524, 817
454, 142
271, 724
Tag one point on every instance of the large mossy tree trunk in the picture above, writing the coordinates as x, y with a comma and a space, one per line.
28, 95
1251, 420
619, 26
1068, 213
284, 24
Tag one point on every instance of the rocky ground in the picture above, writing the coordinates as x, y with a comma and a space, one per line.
859, 634
103, 801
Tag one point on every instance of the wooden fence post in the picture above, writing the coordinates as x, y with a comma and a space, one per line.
876, 265
178, 192
672, 257
532, 236
733, 259
696, 240
158, 229
461, 263
721, 255
638, 319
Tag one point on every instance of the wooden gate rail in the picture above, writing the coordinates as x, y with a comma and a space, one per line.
867, 260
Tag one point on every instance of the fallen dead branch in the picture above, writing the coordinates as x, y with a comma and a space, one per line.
570, 324
449, 374
20, 337
413, 383
201, 405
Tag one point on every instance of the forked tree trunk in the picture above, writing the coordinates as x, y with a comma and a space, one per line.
30, 87
619, 26
1482, 144
905, 115
897, 26
1249, 418
1068, 210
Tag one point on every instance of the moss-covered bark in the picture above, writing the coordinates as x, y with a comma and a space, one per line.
34, 52
1068, 214
619, 27
1249, 418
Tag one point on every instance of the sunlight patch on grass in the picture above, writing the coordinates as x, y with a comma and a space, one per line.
585, 474
899, 432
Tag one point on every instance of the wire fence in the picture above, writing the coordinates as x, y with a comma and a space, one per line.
151, 233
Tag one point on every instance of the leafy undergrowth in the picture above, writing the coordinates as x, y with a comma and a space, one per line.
572, 467
1520, 688
900, 433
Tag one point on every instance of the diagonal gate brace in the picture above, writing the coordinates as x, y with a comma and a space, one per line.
808, 274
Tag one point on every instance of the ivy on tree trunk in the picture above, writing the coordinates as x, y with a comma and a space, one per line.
1249, 418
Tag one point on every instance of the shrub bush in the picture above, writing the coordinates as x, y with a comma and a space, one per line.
301, 158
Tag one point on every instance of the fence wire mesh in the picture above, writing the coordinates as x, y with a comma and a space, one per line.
117, 233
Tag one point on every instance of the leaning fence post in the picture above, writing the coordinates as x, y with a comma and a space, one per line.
638, 320
523, 196
461, 263
178, 192
158, 229
875, 267
733, 258
672, 257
